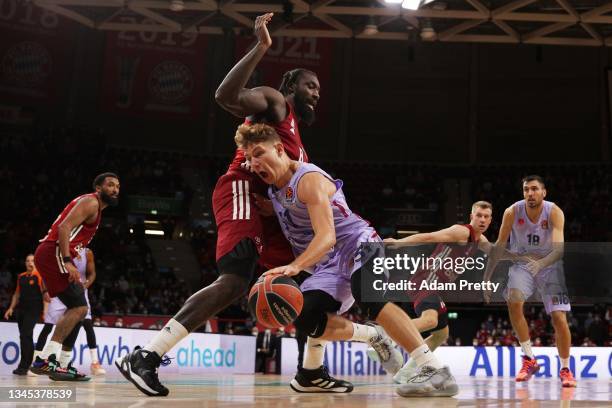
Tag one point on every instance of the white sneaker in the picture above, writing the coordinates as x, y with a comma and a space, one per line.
429, 382
389, 356
408, 371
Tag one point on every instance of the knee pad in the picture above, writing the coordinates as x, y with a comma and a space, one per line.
313, 319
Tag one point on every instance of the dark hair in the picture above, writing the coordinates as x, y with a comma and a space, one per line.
533, 177
290, 78
99, 180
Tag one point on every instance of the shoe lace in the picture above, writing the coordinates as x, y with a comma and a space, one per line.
325, 373
423, 374
527, 363
382, 348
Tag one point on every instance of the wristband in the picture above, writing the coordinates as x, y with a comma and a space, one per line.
66, 259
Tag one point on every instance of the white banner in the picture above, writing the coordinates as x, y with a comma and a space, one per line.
346, 358
198, 352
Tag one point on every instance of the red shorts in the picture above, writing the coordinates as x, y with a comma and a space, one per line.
237, 218
48, 261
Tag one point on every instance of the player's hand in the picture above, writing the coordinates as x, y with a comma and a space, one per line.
264, 205
287, 270
261, 29
46, 297
8, 314
534, 267
73, 272
246, 165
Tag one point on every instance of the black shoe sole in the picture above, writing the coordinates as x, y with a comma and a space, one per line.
128, 377
67, 377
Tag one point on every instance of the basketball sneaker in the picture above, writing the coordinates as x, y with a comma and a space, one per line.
529, 368
68, 374
389, 356
318, 380
46, 366
140, 368
567, 378
405, 373
96, 369
429, 382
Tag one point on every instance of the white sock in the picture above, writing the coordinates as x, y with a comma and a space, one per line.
52, 347
94, 355
65, 357
425, 357
363, 333
564, 362
526, 347
166, 338
314, 353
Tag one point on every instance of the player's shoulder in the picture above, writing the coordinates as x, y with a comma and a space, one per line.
88, 200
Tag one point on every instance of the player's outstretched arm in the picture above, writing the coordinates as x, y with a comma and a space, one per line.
242, 102
455, 233
496, 251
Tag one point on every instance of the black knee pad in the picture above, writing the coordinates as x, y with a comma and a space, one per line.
241, 260
370, 308
313, 318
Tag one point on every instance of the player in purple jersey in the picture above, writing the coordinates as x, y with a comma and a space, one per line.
535, 229
326, 238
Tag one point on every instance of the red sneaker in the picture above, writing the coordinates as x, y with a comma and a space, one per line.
567, 378
529, 368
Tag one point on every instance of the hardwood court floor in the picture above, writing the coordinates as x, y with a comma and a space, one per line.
273, 391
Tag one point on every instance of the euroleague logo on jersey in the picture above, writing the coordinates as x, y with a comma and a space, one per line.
27, 63
544, 224
170, 82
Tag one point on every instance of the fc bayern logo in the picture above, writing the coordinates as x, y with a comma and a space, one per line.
27, 63
170, 82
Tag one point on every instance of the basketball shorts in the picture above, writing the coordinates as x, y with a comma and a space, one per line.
549, 283
57, 308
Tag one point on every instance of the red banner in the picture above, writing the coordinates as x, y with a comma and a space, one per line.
36, 54
287, 53
154, 73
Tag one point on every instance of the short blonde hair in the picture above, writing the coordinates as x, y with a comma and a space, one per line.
257, 133
482, 204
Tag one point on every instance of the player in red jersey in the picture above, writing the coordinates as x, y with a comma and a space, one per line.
428, 305
73, 229
245, 236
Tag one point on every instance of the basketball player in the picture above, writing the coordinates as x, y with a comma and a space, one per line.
244, 237
326, 237
84, 261
429, 306
535, 228
73, 229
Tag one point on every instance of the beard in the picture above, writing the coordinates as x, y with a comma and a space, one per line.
108, 200
306, 114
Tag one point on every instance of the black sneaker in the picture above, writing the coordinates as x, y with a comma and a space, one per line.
140, 368
318, 380
68, 374
44, 367
20, 371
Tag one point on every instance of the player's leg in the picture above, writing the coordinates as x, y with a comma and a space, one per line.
42, 338
551, 285
26, 322
236, 269
433, 317
433, 379
73, 297
521, 286
96, 368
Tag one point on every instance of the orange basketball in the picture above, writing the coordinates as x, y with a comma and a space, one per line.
275, 300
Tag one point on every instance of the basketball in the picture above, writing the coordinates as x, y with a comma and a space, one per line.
275, 300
